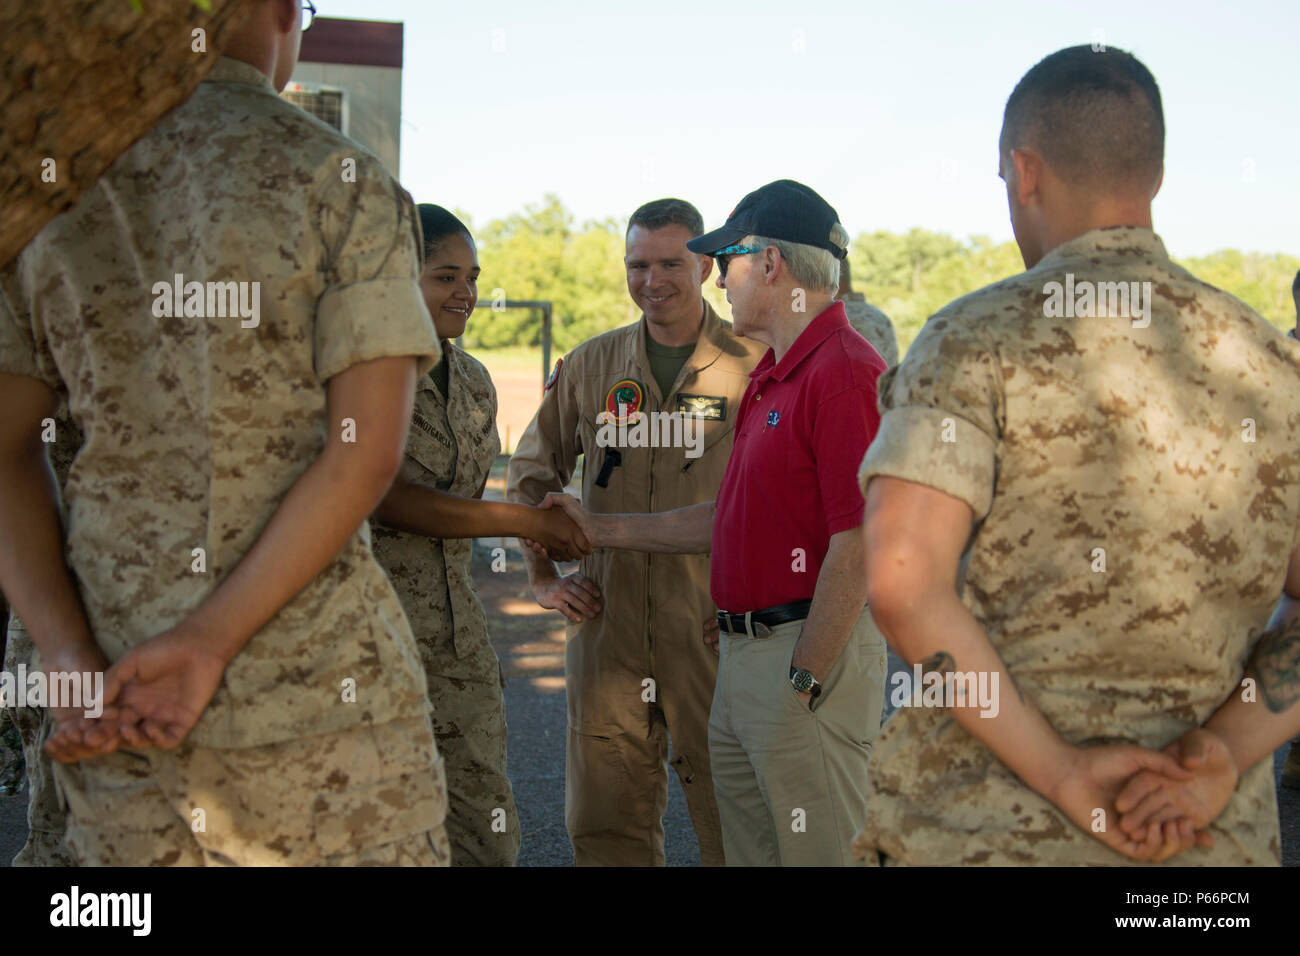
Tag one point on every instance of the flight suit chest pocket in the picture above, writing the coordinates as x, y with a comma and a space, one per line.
604, 471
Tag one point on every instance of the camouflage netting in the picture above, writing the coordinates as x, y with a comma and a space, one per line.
83, 80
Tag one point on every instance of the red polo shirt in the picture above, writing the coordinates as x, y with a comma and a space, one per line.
792, 479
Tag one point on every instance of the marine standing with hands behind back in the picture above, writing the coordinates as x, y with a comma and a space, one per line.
1090, 505
264, 679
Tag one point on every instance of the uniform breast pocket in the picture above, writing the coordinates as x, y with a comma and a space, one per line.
478, 424
432, 451
604, 471
482, 451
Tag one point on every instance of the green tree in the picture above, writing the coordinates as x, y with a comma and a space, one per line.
1261, 280
541, 254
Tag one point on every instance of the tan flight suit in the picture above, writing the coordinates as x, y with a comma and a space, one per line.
873, 325
47, 818
317, 746
451, 447
639, 671
1137, 495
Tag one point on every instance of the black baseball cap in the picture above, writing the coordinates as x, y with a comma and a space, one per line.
785, 210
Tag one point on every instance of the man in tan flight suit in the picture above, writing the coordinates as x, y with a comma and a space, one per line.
233, 314
637, 671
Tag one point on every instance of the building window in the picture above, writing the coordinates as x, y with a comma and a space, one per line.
325, 104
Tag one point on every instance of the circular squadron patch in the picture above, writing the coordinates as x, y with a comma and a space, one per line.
624, 401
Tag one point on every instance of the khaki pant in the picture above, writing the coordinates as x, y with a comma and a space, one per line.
373, 795
792, 782
616, 771
616, 793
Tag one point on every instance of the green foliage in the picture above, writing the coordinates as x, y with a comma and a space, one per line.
1261, 280
540, 254
910, 277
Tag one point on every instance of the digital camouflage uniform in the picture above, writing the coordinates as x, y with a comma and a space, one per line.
317, 746
46, 815
12, 767
654, 606
451, 447
873, 325
1137, 494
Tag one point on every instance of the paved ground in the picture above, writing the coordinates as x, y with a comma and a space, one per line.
530, 643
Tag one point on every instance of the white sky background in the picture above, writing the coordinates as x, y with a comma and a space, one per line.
890, 110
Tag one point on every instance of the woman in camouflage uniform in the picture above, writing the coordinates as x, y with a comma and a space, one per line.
422, 537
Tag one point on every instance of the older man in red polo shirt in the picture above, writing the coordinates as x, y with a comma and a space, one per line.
801, 675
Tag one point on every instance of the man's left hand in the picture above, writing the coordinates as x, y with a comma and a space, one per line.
1088, 790
1149, 796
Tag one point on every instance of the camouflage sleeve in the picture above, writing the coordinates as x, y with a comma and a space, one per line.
889, 342
372, 306
548, 451
495, 405
941, 411
20, 351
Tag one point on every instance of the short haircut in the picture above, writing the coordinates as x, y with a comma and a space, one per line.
1094, 116
814, 268
668, 212
1295, 283
437, 224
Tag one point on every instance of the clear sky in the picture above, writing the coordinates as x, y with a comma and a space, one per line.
889, 110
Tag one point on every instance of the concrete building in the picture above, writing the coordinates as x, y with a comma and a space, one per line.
349, 74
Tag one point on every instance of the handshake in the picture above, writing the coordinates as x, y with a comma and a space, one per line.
565, 530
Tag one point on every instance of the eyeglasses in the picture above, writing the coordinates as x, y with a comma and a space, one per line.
722, 255
308, 14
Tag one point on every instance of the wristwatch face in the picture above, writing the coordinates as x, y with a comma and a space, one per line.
802, 680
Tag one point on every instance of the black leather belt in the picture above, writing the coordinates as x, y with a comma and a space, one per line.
764, 620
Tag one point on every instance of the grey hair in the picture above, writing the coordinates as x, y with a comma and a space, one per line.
814, 268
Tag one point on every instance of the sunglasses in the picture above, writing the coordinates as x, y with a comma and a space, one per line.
722, 255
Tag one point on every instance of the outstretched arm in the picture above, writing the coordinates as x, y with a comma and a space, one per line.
439, 514
686, 530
